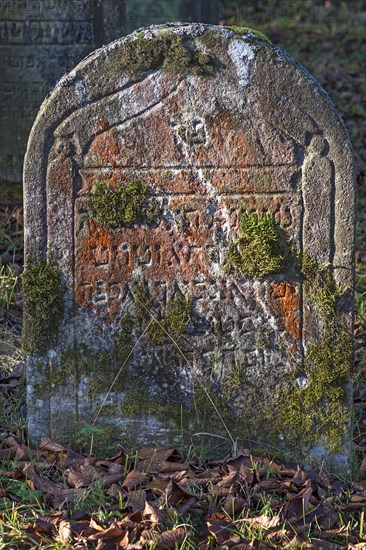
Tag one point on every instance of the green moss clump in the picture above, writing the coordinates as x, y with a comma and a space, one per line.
321, 288
138, 403
173, 53
134, 403
211, 39
179, 316
260, 249
43, 305
233, 382
175, 324
319, 409
143, 304
254, 35
123, 205
141, 55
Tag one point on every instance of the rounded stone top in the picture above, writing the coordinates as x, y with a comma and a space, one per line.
229, 74
246, 68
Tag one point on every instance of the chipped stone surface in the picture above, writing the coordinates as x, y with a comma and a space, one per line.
257, 136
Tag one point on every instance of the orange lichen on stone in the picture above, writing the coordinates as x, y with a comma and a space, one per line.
106, 260
228, 145
126, 145
285, 302
102, 125
105, 148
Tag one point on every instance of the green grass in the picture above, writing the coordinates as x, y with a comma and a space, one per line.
8, 285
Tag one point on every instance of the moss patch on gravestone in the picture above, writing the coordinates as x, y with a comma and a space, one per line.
316, 407
175, 323
168, 51
322, 290
43, 305
138, 403
252, 36
260, 249
178, 316
124, 205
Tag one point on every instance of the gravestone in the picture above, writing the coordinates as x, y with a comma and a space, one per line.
40, 40
189, 205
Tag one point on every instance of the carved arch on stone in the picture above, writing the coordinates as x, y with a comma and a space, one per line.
54, 154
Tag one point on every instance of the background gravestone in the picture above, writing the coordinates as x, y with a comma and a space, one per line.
40, 40
189, 207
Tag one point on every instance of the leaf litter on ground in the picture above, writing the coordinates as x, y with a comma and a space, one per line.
157, 499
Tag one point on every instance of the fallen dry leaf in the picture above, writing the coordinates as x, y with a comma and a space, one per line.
152, 514
134, 479
136, 500
171, 539
267, 522
64, 530
221, 529
112, 532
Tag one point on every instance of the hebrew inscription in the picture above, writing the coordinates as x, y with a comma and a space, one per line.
200, 224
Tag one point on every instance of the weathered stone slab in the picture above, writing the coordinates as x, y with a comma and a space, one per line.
40, 40
189, 242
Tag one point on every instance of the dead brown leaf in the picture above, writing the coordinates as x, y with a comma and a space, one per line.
221, 529
134, 479
171, 539
298, 504
329, 520
136, 500
41, 484
112, 532
152, 514
267, 522
299, 478
82, 475
11, 441
115, 468
64, 529
228, 480
47, 444
156, 453
7, 454
148, 537
178, 497
235, 505
267, 485
157, 487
